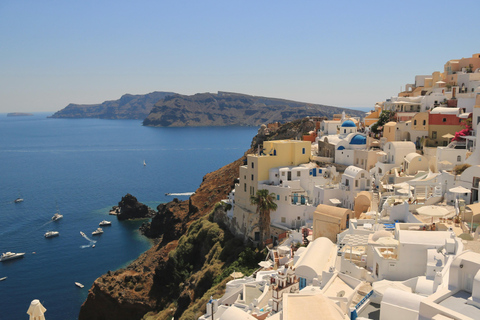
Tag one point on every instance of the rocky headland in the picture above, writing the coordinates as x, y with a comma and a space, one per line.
192, 259
129, 106
233, 109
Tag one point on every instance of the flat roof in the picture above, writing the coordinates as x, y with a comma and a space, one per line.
423, 237
458, 303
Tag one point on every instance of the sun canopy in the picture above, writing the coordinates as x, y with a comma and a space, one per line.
459, 189
36, 310
432, 211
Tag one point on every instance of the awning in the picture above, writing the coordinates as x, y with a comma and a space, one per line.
448, 136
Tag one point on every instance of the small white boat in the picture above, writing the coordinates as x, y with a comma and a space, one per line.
97, 232
82, 234
1, 279
144, 164
93, 246
18, 200
57, 216
78, 284
10, 255
51, 234
105, 223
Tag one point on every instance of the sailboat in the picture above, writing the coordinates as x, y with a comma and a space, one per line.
57, 215
144, 164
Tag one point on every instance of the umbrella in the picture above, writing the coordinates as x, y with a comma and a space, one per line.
432, 211
36, 310
284, 248
459, 189
448, 136
236, 275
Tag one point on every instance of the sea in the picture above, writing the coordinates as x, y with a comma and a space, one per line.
81, 168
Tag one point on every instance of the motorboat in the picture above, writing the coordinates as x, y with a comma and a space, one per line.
1, 279
51, 234
10, 255
18, 200
105, 223
97, 232
82, 234
57, 216
78, 284
144, 164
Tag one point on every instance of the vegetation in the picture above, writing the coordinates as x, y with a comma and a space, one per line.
200, 267
265, 204
460, 168
385, 116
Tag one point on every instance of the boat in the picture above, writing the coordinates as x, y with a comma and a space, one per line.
93, 246
18, 200
144, 164
57, 216
78, 284
97, 232
10, 255
1, 279
105, 223
82, 234
50, 234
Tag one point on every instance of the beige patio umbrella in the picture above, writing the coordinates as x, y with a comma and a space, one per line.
432, 211
448, 136
459, 190
236, 274
36, 310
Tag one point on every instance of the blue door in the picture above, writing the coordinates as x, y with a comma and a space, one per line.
295, 198
315, 172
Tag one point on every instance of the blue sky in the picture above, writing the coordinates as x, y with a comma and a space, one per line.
341, 53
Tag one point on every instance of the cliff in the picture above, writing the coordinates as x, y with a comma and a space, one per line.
173, 270
127, 107
228, 109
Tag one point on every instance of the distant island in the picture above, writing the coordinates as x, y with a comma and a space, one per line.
19, 114
129, 106
168, 109
230, 109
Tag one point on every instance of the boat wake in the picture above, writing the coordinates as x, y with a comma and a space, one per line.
180, 194
92, 242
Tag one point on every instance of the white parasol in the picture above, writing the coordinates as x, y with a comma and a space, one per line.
36, 310
265, 264
432, 211
459, 190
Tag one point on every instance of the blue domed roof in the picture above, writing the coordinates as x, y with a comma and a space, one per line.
341, 148
348, 123
358, 139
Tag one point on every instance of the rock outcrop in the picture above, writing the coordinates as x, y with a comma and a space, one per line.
142, 287
129, 106
230, 109
130, 208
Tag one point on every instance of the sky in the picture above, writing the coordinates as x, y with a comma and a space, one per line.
341, 53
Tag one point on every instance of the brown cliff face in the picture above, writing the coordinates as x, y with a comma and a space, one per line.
132, 292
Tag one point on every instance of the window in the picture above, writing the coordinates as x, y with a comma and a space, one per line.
245, 187
303, 150
278, 197
444, 119
283, 219
285, 198
434, 134
298, 173
414, 122
356, 183
252, 177
459, 158
424, 122
363, 175
283, 173
252, 165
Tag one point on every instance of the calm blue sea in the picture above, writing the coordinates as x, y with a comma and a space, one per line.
84, 167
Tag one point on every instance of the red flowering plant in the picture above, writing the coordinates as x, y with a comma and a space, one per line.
464, 132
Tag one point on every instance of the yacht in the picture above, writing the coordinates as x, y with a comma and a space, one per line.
10, 255
105, 223
50, 234
1, 279
98, 231
18, 200
78, 284
57, 216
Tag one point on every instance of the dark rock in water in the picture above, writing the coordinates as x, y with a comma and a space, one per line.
19, 114
130, 208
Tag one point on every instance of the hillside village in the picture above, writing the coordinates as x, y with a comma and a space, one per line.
370, 218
